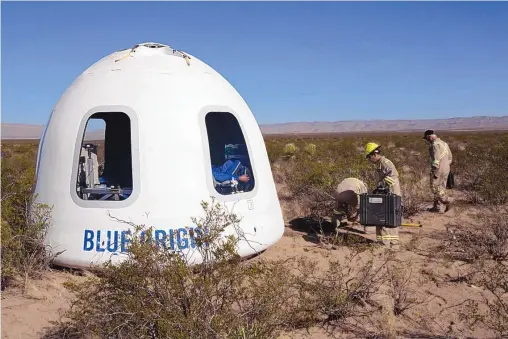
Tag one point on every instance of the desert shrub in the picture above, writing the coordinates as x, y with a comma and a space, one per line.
486, 237
346, 290
490, 311
313, 175
290, 150
24, 222
310, 149
415, 191
18, 175
159, 293
404, 289
478, 166
493, 277
481, 169
274, 148
483, 244
156, 293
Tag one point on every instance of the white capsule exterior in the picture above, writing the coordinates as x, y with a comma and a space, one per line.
157, 102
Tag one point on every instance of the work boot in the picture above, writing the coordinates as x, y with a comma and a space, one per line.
441, 206
434, 208
448, 206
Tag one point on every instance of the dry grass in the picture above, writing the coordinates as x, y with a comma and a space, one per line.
479, 160
24, 222
155, 294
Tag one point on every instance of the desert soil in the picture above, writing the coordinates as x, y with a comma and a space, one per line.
24, 315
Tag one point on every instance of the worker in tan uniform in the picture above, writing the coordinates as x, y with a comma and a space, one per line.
387, 177
347, 197
440, 160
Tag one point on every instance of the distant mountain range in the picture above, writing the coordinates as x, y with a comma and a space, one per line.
452, 124
22, 131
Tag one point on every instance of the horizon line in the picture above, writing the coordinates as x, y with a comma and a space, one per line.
335, 121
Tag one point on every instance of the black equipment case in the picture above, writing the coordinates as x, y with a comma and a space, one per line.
380, 210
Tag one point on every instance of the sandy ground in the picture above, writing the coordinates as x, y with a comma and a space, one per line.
26, 313
24, 316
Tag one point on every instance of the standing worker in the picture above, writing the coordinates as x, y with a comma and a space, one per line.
440, 160
347, 197
387, 177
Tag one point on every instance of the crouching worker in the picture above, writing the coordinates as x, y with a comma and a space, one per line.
387, 178
347, 198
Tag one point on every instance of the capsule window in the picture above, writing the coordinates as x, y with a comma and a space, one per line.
105, 159
231, 166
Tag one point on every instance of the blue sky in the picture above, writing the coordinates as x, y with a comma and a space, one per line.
291, 61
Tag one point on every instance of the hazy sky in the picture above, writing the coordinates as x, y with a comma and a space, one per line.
291, 61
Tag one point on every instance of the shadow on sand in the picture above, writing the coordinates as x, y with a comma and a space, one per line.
317, 229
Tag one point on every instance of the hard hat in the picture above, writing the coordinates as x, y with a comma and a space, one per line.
370, 147
427, 133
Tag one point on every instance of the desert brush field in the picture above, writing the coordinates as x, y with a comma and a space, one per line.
448, 280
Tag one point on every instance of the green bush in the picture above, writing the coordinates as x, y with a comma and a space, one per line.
290, 150
156, 293
481, 169
310, 149
24, 222
479, 162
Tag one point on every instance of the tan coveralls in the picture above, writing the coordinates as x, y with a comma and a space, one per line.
388, 176
441, 159
348, 192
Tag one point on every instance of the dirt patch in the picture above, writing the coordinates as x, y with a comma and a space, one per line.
24, 315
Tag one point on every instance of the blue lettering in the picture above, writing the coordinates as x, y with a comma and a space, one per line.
185, 241
195, 233
115, 242
118, 240
192, 238
159, 240
125, 241
88, 241
98, 243
172, 239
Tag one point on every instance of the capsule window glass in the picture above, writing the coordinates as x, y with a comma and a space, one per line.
105, 158
232, 171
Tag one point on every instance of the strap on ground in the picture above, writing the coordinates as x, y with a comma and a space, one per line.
411, 225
